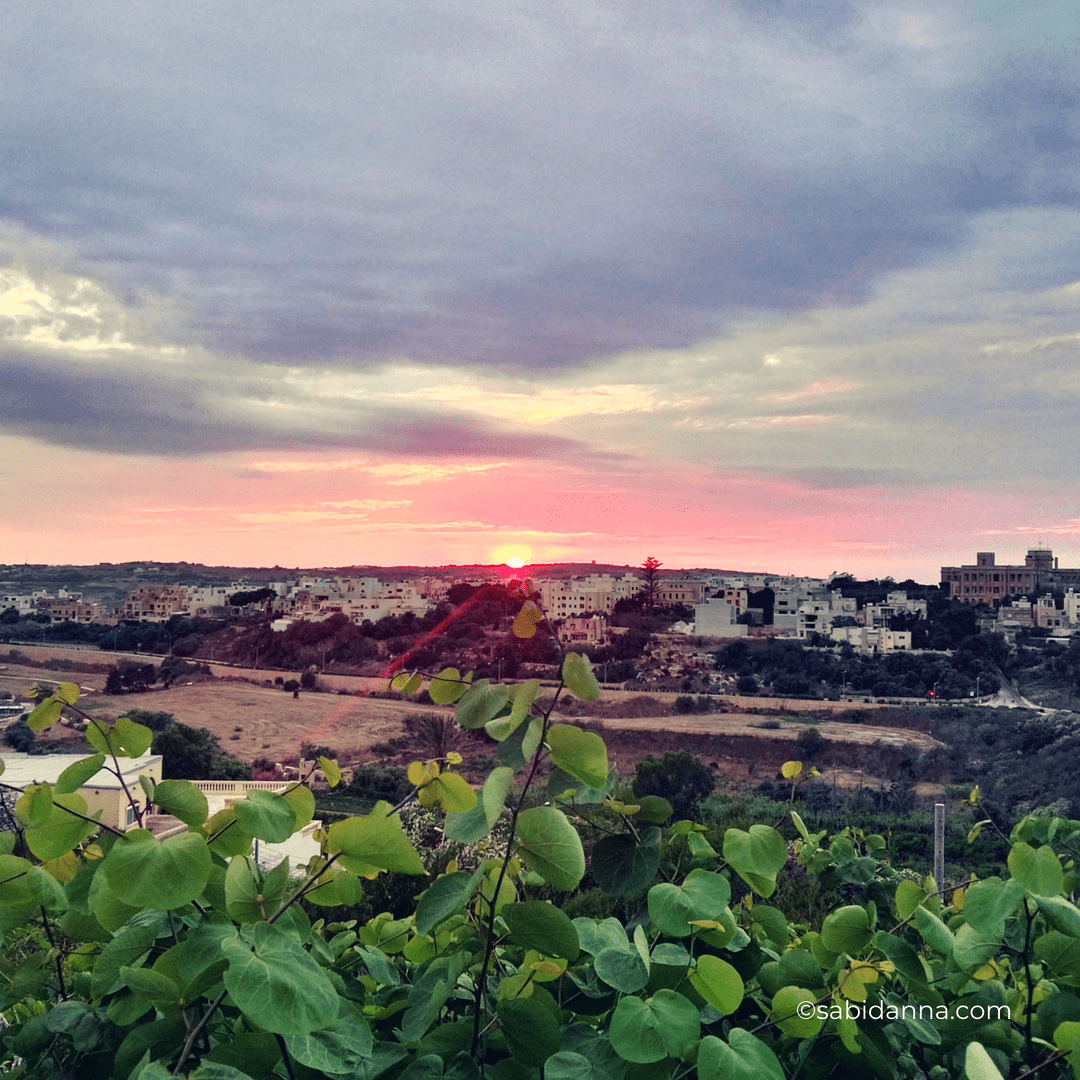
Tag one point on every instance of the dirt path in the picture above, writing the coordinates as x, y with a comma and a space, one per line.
740, 724
253, 721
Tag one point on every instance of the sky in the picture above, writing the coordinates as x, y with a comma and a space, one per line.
775, 285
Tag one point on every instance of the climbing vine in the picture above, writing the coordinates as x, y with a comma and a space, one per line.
141, 959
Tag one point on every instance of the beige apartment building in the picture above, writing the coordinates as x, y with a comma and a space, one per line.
985, 581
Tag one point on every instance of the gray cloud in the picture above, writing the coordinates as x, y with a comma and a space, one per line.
138, 405
518, 186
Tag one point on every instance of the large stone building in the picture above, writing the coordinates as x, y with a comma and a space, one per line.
985, 580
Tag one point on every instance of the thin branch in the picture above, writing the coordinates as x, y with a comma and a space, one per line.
59, 958
86, 817
285, 1056
307, 886
1027, 975
189, 1042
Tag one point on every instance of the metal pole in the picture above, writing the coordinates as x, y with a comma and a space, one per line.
939, 849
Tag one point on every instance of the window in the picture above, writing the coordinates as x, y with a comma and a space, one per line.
130, 815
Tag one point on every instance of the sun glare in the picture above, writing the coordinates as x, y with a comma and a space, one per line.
514, 556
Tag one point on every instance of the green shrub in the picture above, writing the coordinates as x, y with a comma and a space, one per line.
679, 777
135, 958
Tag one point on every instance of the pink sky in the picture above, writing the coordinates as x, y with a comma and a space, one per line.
781, 287
322, 510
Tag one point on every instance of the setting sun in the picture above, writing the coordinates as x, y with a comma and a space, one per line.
513, 555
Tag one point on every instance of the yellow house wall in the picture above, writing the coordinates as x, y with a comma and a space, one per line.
113, 803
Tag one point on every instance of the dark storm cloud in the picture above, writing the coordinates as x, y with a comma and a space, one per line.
512, 184
140, 406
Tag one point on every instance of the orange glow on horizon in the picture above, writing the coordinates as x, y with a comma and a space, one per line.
513, 555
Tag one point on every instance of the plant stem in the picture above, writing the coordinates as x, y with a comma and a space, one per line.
285, 1056
489, 945
59, 958
85, 817
189, 1042
1027, 976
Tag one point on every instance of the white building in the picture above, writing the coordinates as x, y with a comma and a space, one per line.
717, 618
867, 639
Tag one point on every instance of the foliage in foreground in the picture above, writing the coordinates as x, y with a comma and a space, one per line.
141, 959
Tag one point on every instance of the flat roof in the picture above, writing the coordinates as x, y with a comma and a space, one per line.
21, 770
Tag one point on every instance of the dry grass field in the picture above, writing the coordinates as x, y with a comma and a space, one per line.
253, 721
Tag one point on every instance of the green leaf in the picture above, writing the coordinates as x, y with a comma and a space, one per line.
249, 897
330, 771
1066, 1035
14, 888
654, 809
568, 1065
934, 932
450, 791
622, 969
622, 866
756, 856
699, 847
908, 897
742, 1057
785, 1012
580, 753
63, 832
341, 1050
76, 776
532, 1027
150, 984
543, 927
578, 675
978, 1065
594, 937
719, 984
987, 904
481, 703
44, 715
208, 1070
229, 838
1037, 869
265, 816
183, 800
526, 620
34, 806
551, 846
302, 803
516, 750
124, 737
1060, 914
375, 842
45, 890
847, 930
67, 692
702, 895
336, 888
125, 950
276, 983
973, 947
144, 873
475, 824
522, 695
446, 687
445, 897
901, 953
650, 1030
